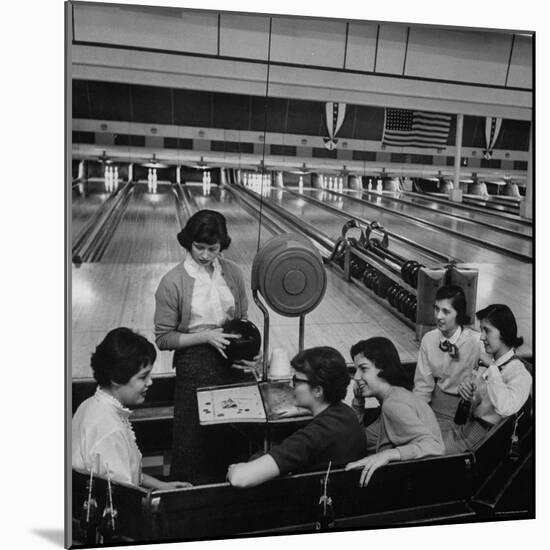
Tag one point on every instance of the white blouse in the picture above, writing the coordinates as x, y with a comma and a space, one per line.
501, 389
212, 302
437, 366
103, 439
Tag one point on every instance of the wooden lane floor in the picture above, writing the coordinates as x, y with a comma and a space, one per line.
501, 279
448, 216
85, 205
147, 231
346, 313
467, 212
430, 237
107, 295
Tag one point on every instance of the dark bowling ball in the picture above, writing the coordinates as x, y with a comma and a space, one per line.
356, 268
248, 345
394, 289
405, 270
77, 260
399, 299
382, 286
412, 311
366, 276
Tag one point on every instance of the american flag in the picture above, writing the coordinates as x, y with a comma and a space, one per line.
405, 128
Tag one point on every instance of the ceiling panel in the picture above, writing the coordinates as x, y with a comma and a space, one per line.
244, 36
151, 28
465, 56
521, 66
361, 46
307, 41
391, 49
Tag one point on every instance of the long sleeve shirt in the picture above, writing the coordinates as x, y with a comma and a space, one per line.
436, 366
333, 435
408, 424
501, 389
103, 439
173, 301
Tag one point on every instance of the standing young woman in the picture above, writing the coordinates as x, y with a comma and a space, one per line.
497, 390
193, 300
447, 354
102, 437
406, 428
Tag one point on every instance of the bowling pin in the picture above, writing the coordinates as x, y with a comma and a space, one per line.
154, 180
301, 184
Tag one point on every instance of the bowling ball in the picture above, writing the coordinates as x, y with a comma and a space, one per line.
405, 270
77, 260
247, 346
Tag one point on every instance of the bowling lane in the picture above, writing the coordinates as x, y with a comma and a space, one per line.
433, 239
330, 223
345, 315
501, 279
147, 231
86, 201
404, 202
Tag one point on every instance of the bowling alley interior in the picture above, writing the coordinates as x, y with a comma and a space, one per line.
281, 227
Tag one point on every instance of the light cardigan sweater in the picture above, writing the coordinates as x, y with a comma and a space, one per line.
173, 301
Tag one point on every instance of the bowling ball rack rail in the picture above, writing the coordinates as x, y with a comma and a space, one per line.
368, 259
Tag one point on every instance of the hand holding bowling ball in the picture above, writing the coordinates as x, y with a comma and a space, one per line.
245, 340
219, 340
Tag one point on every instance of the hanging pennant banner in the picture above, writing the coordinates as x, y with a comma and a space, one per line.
334, 115
492, 130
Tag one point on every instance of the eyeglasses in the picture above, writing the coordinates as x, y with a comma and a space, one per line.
295, 380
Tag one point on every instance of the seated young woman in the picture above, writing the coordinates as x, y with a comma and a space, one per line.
407, 427
496, 390
447, 354
334, 435
102, 437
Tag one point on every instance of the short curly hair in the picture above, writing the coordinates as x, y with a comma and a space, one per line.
326, 367
205, 226
121, 355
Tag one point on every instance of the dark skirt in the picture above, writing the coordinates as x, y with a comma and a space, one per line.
201, 454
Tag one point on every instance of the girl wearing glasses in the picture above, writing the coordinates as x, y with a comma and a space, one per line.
334, 435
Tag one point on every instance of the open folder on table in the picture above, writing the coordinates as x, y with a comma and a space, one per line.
251, 402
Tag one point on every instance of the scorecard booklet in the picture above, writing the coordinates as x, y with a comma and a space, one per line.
251, 402
235, 403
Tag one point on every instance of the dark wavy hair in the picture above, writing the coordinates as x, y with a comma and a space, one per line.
456, 295
502, 318
205, 226
385, 357
121, 355
326, 367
